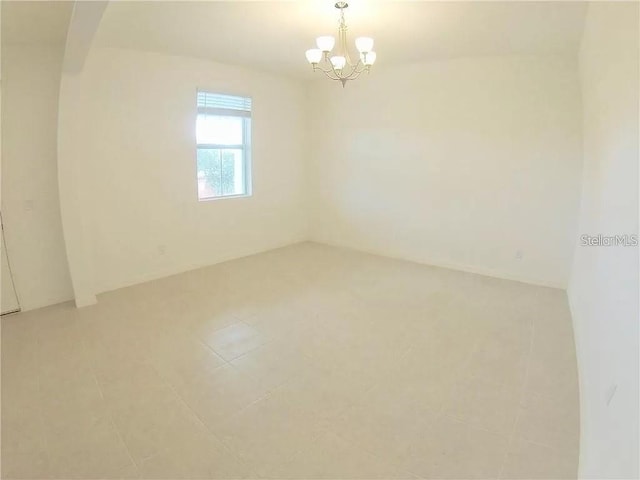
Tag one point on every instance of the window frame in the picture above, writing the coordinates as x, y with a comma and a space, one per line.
245, 147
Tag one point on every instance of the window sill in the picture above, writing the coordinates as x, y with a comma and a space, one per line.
224, 197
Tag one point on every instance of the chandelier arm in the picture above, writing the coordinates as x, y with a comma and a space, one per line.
365, 68
330, 71
354, 65
355, 71
332, 74
348, 76
323, 70
358, 69
329, 76
354, 75
339, 75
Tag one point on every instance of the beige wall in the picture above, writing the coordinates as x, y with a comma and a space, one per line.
603, 291
460, 163
128, 133
30, 203
464, 163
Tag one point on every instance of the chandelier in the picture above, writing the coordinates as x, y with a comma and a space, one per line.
339, 66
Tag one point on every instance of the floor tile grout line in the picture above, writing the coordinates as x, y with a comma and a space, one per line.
368, 452
208, 429
204, 424
405, 353
149, 361
113, 423
205, 344
543, 445
45, 437
522, 393
109, 412
268, 340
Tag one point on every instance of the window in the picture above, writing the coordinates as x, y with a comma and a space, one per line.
223, 136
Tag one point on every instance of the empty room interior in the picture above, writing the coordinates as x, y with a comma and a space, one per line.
319, 240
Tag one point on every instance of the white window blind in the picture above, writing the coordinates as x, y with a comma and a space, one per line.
220, 104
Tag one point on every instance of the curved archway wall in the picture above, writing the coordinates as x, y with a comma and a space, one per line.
603, 289
75, 194
73, 169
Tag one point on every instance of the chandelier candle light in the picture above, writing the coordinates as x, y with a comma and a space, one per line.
339, 66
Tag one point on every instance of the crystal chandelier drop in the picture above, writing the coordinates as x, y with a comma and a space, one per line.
339, 66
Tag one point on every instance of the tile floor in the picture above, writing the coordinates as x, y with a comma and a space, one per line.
303, 362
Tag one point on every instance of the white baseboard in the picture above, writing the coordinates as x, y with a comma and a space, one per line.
195, 266
478, 270
86, 301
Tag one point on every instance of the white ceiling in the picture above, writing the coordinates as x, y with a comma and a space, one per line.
35, 23
274, 35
